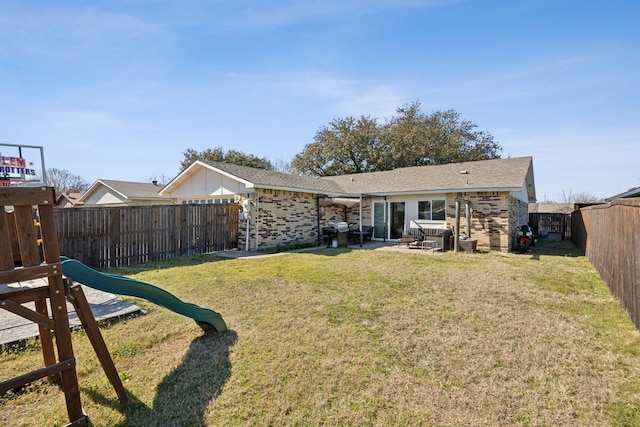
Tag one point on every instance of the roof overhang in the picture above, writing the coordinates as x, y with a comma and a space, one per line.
344, 201
441, 191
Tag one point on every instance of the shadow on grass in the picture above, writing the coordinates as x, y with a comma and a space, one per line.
182, 396
546, 247
183, 261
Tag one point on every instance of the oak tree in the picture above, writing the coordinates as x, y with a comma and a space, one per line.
410, 138
219, 155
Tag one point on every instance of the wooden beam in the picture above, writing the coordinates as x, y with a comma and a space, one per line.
38, 374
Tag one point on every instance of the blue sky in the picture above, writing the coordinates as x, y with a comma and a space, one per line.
120, 89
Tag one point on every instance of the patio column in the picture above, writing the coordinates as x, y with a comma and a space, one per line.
360, 220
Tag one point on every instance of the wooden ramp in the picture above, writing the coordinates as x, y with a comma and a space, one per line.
30, 271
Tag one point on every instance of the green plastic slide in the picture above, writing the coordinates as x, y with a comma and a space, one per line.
120, 285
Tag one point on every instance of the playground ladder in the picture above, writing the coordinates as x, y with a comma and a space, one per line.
30, 271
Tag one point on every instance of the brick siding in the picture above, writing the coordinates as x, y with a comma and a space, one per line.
495, 218
286, 217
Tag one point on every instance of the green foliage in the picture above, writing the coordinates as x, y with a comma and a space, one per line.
345, 146
411, 138
218, 155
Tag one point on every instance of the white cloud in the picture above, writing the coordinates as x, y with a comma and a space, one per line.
349, 96
61, 29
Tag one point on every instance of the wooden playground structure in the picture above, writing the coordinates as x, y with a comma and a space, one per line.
32, 284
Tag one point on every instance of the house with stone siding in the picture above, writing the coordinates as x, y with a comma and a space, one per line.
487, 200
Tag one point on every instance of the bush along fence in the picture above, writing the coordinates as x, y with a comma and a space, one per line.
107, 237
609, 234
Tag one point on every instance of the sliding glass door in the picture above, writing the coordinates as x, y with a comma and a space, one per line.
388, 220
379, 221
396, 220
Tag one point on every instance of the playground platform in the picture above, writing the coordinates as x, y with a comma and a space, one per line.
104, 305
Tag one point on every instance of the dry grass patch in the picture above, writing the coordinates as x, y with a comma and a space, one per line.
339, 337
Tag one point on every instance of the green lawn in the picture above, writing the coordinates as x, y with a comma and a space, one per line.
360, 337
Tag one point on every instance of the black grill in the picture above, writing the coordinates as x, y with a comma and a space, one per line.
336, 234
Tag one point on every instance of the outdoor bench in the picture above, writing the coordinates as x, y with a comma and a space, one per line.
442, 237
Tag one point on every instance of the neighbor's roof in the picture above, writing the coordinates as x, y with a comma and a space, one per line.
72, 198
126, 189
484, 175
551, 207
633, 192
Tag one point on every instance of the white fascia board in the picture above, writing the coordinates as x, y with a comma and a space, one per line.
188, 171
177, 179
89, 191
441, 191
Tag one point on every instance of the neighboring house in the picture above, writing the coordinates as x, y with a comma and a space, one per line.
551, 208
107, 192
633, 192
286, 209
68, 200
551, 219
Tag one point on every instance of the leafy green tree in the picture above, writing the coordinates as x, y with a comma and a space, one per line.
410, 138
240, 158
346, 146
406, 139
218, 155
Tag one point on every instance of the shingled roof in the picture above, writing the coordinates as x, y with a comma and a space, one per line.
485, 175
263, 178
127, 189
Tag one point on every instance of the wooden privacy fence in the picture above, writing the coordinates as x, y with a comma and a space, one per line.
118, 236
609, 234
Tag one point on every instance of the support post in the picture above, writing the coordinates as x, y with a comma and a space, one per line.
360, 220
456, 236
468, 214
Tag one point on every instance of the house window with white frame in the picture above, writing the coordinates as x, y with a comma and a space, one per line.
434, 210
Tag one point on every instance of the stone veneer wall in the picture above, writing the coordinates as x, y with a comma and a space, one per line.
495, 218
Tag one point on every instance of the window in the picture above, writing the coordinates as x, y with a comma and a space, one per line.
438, 210
424, 209
434, 210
